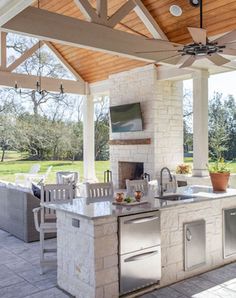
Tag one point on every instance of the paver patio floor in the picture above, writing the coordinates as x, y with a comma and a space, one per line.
20, 278
219, 283
19, 270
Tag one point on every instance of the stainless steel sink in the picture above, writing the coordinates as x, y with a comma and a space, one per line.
176, 197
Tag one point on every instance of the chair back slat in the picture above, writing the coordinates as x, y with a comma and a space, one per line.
99, 190
34, 169
55, 193
134, 185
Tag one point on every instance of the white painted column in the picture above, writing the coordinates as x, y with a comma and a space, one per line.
88, 139
200, 122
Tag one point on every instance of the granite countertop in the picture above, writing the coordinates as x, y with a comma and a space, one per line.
103, 208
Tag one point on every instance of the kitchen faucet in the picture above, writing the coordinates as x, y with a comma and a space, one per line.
161, 180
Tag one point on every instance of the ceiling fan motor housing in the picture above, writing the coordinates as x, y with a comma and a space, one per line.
198, 49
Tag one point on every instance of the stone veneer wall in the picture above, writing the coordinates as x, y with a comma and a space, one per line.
161, 104
87, 256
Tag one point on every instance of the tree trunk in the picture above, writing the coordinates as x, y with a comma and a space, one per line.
3, 154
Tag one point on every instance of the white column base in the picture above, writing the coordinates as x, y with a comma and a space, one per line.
200, 173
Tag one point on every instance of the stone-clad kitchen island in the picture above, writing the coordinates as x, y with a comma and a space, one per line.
88, 245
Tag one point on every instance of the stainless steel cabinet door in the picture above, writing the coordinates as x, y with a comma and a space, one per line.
195, 244
139, 231
140, 269
229, 216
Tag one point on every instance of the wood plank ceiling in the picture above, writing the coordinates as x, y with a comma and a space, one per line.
219, 17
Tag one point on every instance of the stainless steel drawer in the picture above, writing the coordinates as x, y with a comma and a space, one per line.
229, 232
140, 269
139, 231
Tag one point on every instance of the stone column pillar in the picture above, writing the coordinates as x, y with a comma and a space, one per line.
200, 123
88, 139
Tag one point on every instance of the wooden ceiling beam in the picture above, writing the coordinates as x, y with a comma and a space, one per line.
149, 21
87, 10
11, 8
8, 79
3, 50
121, 13
44, 25
28, 53
102, 10
64, 61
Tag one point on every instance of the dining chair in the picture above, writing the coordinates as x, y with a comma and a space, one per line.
26, 178
134, 185
54, 194
42, 178
67, 177
99, 190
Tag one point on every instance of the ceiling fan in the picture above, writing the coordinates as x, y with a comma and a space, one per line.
201, 47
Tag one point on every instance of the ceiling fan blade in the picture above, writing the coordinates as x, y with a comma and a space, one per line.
165, 42
188, 62
228, 37
162, 51
231, 65
217, 59
231, 52
172, 59
231, 45
177, 60
199, 35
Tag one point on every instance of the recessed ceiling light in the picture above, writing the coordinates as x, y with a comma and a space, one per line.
194, 3
176, 10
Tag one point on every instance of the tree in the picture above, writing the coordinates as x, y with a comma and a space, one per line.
101, 129
187, 119
218, 131
8, 134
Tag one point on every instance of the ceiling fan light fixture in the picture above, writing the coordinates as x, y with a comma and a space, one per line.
176, 10
194, 3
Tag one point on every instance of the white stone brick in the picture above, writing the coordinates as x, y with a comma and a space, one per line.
106, 246
99, 292
175, 254
110, 261
112, 290
98, 264
106, 276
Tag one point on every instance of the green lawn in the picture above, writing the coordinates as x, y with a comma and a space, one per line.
15, 163
232, 164
10, 167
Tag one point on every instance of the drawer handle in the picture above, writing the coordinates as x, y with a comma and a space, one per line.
140, 220
188, 235
142, 256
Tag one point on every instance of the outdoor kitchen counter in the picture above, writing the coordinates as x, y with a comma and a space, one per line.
98, 209
87, 240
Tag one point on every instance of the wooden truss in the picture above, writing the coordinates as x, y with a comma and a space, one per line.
8, 77
90, 33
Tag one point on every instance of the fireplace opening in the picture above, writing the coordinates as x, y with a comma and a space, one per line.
129, 170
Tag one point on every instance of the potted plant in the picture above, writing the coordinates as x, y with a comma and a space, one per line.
183, 169
182, 172
219, 174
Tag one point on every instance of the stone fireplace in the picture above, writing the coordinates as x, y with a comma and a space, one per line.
129, 170
161, 141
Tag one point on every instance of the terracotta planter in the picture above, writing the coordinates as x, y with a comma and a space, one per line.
219, 181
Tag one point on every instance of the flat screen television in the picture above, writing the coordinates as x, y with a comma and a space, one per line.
126, 118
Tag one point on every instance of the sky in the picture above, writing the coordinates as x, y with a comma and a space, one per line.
223, 83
